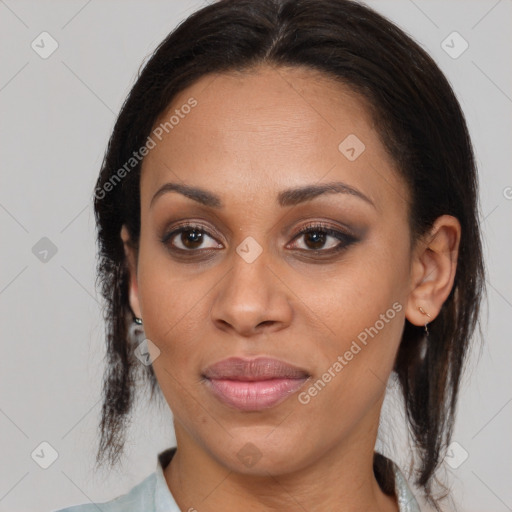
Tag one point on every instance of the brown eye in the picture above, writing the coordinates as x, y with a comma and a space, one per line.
190, 238
321, 238
315, 239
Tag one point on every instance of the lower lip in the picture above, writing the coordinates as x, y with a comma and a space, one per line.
254, 395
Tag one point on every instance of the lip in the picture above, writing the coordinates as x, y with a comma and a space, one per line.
253, 384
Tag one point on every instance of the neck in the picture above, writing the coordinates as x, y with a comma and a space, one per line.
340, 479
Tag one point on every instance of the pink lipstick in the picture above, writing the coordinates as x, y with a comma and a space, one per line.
253, 384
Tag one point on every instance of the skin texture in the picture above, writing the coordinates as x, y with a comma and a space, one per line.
252, 135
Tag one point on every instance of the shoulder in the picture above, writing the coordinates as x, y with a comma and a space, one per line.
140, 498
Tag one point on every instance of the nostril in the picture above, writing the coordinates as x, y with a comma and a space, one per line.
266, 322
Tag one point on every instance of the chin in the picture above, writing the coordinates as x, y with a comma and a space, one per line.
261, 454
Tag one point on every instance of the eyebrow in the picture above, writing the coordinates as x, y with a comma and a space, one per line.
289, 197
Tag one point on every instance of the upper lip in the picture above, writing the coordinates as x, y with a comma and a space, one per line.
261, 368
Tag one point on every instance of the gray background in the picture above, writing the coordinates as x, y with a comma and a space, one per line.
56, 116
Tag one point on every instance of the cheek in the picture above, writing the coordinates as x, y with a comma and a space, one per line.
366, 323
352, 296
361, 303
171, 303
171, 306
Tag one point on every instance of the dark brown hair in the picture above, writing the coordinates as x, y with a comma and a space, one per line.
422, 127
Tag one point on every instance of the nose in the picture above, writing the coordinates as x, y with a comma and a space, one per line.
251, 299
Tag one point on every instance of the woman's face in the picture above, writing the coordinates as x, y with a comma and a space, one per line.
262, 146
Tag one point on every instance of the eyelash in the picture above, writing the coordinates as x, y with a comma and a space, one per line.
345, 239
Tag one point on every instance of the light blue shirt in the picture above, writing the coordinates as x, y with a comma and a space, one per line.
153, 494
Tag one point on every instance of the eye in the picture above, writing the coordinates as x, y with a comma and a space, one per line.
322, 238
189, 238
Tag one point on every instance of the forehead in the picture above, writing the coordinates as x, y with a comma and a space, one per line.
267, 128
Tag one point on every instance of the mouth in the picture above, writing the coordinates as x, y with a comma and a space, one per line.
253, 384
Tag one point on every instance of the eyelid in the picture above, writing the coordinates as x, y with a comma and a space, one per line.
323, 225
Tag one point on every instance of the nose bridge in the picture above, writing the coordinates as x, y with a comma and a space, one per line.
248, 282
250, 294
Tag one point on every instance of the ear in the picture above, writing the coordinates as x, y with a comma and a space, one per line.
129, 252
433, 270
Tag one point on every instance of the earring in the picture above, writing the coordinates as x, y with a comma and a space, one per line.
421, 310
136, 331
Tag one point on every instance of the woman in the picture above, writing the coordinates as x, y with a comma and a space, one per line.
287, 216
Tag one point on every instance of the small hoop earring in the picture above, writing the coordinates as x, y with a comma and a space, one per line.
421, 310
137, 320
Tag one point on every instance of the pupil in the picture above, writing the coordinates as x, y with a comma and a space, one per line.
191, 238
317, 238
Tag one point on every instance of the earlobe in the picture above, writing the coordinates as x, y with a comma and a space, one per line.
433, 270
133, 295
